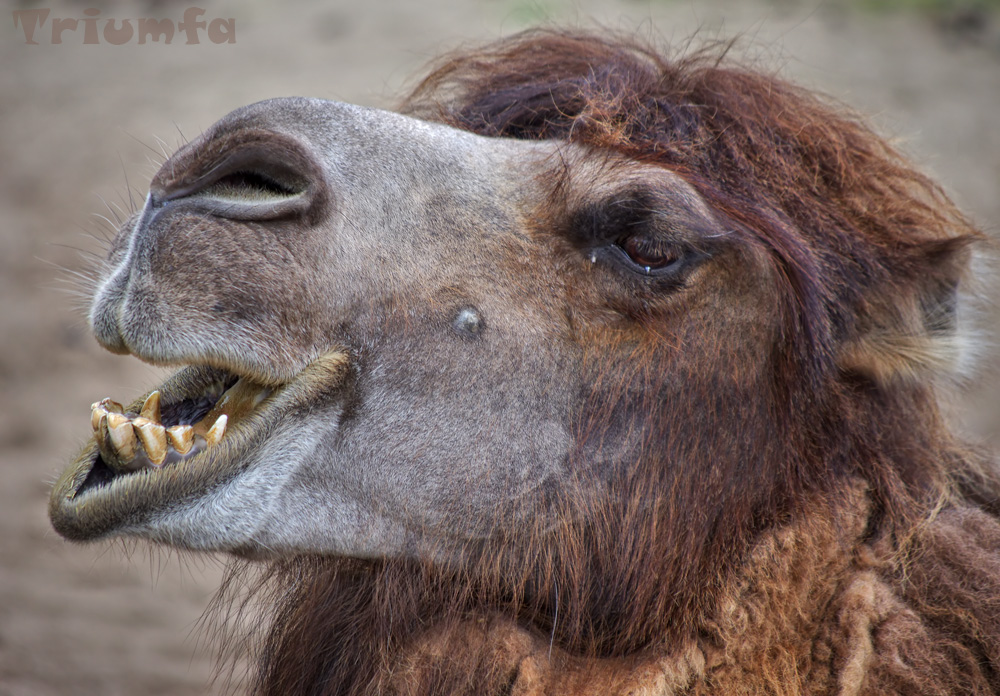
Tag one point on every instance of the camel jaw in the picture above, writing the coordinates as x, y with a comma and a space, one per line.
93, 499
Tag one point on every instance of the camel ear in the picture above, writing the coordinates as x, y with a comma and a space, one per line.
909, 329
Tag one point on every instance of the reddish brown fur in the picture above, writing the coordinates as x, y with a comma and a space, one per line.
837, 537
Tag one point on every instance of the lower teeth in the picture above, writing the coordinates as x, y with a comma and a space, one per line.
130, 443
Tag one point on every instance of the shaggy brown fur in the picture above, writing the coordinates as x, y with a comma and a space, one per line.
851, 543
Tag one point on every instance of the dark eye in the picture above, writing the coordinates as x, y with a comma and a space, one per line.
647, 253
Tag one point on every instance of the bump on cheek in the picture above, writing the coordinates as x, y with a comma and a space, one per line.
469, 323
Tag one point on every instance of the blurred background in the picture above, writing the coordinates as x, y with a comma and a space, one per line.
83, 127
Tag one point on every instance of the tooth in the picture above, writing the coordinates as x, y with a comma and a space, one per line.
100, 429
236, 402
217, 430
122, 437
151, 407
154, 441
108, 405
117, 419
106, 446
181, 438
96, 411
99, 408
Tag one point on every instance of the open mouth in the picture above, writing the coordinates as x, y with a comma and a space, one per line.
164, 434
197, 430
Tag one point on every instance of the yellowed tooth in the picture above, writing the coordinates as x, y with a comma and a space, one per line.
181, 438
236, 402
115, 420
106, 445
217, 431
101, 428
99, 408
154, 441
122, 437
108, 405
151, 407
96, 411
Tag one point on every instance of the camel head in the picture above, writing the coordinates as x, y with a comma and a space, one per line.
390, 332
577, 323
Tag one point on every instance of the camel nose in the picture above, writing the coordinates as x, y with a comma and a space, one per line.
242, 174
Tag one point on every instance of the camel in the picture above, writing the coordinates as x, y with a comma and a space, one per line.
585, 371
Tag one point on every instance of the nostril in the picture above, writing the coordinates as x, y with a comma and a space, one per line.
253, 185
249, 191
261, 176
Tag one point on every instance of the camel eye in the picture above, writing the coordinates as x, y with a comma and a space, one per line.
648, 254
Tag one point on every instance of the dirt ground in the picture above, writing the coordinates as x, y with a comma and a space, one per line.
80, 123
